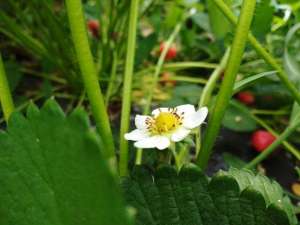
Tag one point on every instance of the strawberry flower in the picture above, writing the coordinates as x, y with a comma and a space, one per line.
166, 125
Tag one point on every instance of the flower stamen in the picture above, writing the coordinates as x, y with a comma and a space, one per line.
164, 122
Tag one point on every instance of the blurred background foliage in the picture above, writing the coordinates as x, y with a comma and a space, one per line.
40, 60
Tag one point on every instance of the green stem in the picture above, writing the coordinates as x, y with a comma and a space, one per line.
112, 79
5, 94
80, 100
158, 68
208, 90
188, 65
139, 157
178, 66
286, 144
89, 75
226, 89
126, 100
187, 79
261, 51
210, 86
269, 112
182, 155
263, 155
51, 77
175, 155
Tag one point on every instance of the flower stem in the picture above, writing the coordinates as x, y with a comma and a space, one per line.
175, 155
226, 89
139, 156
263, 155
5, 94
261, 51
89, 75
210, 86
207, 92
126, 100
139, 153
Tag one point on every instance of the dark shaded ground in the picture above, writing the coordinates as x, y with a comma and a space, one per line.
279, 166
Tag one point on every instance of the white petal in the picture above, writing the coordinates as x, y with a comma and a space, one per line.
140, 121
149, 142
180, 134
155, 112
186, 109
162, 142
136, 135
195, 119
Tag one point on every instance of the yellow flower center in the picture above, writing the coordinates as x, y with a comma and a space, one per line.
164, 122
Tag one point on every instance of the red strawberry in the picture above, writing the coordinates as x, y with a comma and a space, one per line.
246, 97
172, 52
93, 26
261, 139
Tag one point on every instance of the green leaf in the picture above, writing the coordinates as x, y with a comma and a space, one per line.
270, 189
237, 197
292, 62
173, 14
52, 172
239, 85
233, 161
220, 26
201, 20
291, 53
238, 118
262, 20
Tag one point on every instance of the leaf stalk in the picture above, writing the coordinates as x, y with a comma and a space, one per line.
227, 85
89, 75
5, 94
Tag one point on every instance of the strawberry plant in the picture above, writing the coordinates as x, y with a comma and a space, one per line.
148, 112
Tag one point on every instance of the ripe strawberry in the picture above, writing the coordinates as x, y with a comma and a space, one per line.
93, 26
261, 139
172, 52
246, 97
